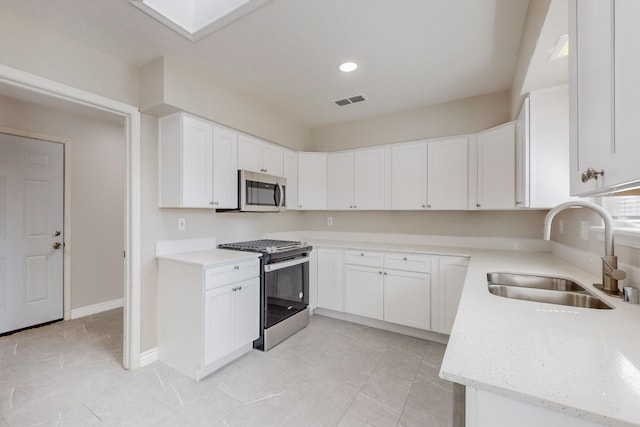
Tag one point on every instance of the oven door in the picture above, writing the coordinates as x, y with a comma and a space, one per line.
286, 289
261, 193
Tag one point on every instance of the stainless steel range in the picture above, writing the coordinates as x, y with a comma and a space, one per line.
284, 290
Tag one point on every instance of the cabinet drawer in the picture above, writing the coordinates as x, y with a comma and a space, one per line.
231, 273
368, 258
407, 262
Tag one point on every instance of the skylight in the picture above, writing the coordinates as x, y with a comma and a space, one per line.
195, 19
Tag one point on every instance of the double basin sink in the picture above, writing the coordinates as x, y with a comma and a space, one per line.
546, 289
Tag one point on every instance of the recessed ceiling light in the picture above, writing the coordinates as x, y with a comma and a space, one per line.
348, 67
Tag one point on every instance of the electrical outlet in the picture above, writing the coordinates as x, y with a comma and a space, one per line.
584, 230
561, 226
329, 220
182, 224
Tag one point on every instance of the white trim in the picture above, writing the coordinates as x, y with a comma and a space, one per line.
88, 310
148, 357
131, 114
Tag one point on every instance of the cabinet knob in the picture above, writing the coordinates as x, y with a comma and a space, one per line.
424, 206
591, 173
518, 203
211, 203
379, 272
299, 206
234, 289
477, 205
354, 206
385, 273
361, 254
239, 288
429, 206
404, 259
236, 267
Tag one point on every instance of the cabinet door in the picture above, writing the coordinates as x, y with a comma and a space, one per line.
451, 277
330, 279
290, 171
312, 181
225, 168
407, 298
363, 291
447, 172
219, 327
368, 179
591, 90
340, 181
197, 159
247, 315
409, 176
249, 153
272, 159
496, 168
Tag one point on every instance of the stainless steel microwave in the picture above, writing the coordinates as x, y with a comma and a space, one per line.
259, 192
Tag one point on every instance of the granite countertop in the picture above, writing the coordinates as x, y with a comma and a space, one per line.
579, 361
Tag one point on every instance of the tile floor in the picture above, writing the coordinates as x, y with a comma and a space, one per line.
332, 373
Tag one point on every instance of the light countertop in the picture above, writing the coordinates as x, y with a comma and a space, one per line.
210, 257
580, 361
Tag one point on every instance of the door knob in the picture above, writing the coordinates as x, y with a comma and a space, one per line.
56, 233
57, 245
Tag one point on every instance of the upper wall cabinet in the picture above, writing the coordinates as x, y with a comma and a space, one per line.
430, 174
198, 163
259, 156
605, 95
290, 171
312, 181
447, 174
356, 180
496, 168
542, 150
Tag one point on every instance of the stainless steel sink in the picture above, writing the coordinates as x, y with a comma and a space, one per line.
534, 281
545, 289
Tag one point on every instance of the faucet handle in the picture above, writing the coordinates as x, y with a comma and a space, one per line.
611, 263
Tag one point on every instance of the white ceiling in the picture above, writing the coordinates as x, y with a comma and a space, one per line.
410, 53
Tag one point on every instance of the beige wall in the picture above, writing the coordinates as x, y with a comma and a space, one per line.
451, 118
35, 49
96, 160
171, 85
534, 21
520, 224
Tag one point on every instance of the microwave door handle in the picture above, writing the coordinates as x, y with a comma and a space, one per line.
281, 190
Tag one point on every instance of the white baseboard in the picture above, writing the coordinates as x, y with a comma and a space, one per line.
96, 308
148, 357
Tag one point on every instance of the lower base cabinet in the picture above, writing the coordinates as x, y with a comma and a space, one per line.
207, 315
231, 318
363, 291
417, 290
407, 298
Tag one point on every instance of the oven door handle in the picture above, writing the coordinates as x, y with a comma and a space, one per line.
280, 265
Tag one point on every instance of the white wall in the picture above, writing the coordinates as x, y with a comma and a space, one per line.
96, 155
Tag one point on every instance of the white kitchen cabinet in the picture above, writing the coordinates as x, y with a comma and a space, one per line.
447, 174
409, 176
232, 318
542, 149
605, 94
364, 291
290, 172
312, 181
331, 278
495, 178
356, 180
207, 316
197, 163
259, 156
407, 298
449, 273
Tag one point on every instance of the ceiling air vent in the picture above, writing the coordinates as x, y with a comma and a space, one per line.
349, 101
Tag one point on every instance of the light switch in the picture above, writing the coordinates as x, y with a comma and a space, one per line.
182, 224
329, 220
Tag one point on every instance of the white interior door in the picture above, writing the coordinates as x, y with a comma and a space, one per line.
31, 232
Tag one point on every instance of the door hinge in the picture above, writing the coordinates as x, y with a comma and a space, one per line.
124, 254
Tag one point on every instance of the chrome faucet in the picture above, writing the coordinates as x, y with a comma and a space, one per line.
610, 272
